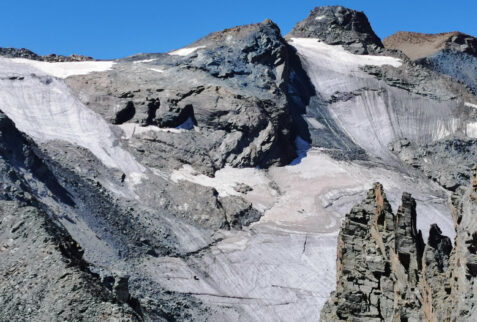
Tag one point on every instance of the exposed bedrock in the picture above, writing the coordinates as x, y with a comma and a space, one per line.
337, 25
448, 161
230, 86
28, 54
385, 272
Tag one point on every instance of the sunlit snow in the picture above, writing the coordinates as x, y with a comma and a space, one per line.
46, 109
66, 69
185, 51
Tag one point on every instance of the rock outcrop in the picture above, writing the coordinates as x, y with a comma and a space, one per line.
229, 95
463, 261
336, 25
385, 272
448, 161
28, 54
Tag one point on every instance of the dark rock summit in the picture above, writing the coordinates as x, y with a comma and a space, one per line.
336, 25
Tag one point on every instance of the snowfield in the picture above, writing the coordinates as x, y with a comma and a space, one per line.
286, 263
385, 113
66, 69
46, 109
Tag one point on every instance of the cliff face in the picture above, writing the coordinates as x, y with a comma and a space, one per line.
463, 261
379, 260
385, 272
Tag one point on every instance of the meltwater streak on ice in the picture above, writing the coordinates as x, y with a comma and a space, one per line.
44, 108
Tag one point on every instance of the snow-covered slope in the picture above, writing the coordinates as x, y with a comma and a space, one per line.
372, 113
66, 69
43, 107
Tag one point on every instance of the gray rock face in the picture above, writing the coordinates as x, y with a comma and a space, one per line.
458, 65
453, 54
45, 267
448, 162
385, 271
463, 261
379, 260
240, 111
337, 25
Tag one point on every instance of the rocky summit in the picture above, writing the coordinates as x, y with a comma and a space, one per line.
214, 182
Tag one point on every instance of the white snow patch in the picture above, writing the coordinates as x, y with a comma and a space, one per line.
470, 105
185, 51
66, 69
46, 110
159, 70
319, 18
144, 61
472, 130
224, 180
314, 194
339, 58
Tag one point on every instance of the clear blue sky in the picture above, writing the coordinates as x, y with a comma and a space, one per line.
111, 29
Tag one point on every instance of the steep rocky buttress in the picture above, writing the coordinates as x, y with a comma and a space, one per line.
385, 271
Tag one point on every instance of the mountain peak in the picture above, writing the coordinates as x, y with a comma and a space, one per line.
337, 25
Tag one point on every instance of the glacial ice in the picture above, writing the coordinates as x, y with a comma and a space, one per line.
44, 107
